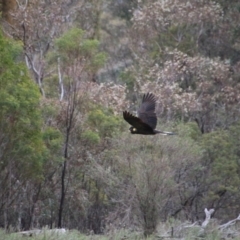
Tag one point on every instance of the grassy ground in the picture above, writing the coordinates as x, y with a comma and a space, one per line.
189, 234
71, 235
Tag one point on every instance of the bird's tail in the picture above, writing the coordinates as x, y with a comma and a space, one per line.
165, 133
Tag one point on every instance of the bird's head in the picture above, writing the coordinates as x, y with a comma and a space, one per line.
133, 130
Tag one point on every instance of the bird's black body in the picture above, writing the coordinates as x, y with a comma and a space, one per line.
146, 121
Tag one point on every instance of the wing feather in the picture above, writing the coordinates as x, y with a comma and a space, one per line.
146, 112
135, 121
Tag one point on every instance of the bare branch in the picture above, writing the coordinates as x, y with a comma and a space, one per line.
230, 223
60, 81
208, 216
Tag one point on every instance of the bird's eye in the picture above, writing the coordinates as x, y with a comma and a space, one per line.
134, 129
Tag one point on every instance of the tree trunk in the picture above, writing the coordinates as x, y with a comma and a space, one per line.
64, 169
62, 194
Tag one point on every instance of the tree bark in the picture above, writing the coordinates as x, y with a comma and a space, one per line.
63, 190
62, 194
69, 125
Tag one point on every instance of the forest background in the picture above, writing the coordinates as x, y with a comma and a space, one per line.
68, 68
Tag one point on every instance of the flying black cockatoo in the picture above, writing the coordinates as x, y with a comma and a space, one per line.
146, 121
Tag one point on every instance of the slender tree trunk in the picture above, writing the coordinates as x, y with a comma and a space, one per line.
62, 194
60, 80
63, 191
69, 126
32, 209
70, 117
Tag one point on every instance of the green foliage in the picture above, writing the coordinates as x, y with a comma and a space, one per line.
129, 79
91, 137
74, 45
234, 133
51, 85
70, 41
98, 61
188, 41
20, 116
168, 40
49, 110
9, 50
104, 122
53, 138
88, 45
220, 152
189, 130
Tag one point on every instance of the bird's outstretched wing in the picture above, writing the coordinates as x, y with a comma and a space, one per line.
135, 121
146, 112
